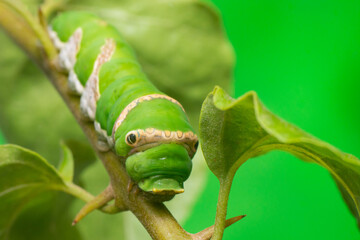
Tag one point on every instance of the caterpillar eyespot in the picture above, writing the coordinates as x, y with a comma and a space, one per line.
131, 116
131, 139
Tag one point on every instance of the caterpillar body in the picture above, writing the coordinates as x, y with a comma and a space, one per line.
142, 125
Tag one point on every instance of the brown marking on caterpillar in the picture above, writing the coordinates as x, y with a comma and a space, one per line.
151, 135
150, 131
179, 135
135, 102
167, 134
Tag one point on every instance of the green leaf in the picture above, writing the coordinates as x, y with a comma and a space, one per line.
233, 131
45, 216
83, 155
66, 167
23, 175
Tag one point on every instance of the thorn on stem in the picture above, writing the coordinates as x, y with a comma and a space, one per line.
207, 233
97, 202
233, 220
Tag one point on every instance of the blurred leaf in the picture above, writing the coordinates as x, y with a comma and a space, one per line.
83, 155
181, 45
232, 131
23, 175
348, 198
66, 167
46, 216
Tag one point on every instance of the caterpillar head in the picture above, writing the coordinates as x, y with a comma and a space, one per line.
158, 143
160, 161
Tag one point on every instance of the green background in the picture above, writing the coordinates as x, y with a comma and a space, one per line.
303, 58
2, 140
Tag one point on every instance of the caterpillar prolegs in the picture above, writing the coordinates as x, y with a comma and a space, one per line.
140, 123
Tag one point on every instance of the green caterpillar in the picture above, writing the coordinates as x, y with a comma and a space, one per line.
147, 128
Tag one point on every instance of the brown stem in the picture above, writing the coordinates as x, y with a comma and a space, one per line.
155, 217
19, 31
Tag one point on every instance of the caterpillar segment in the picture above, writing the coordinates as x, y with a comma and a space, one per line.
91, 93
131, 116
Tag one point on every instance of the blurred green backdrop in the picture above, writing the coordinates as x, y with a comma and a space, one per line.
303, 58
2, 140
